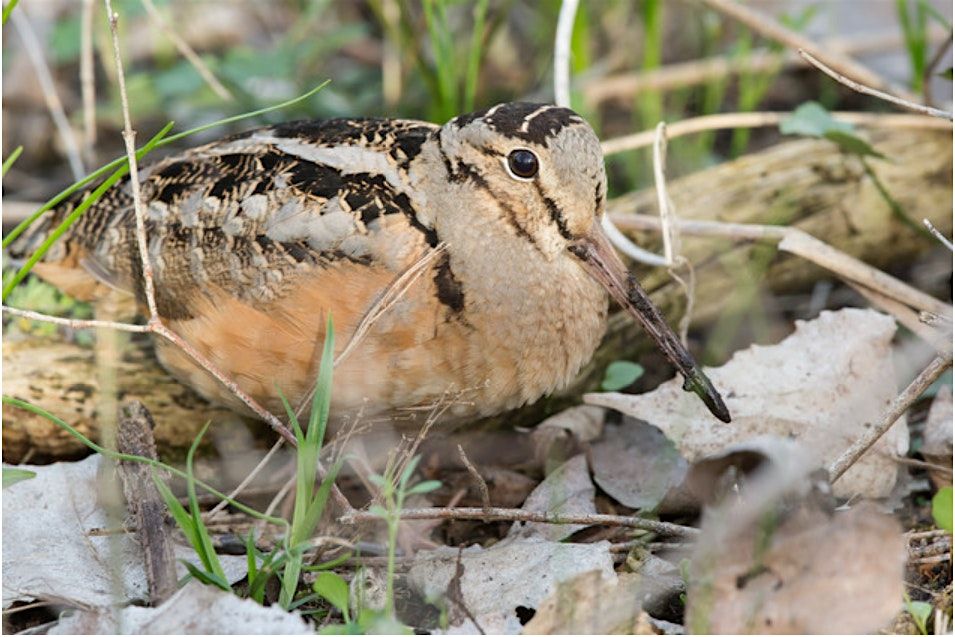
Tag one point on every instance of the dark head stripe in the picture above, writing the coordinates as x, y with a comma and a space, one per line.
527, 121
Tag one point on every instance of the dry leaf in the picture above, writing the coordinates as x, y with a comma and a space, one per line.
775, 558
193, 610
48, 552
937, 443
636, 465
822, 386
568, 490
589, 604
495, 581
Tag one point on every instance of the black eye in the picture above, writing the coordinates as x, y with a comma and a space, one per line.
523, 163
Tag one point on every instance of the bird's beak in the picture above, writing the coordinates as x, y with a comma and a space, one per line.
603, 264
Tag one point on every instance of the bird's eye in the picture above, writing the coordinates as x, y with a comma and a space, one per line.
522, 163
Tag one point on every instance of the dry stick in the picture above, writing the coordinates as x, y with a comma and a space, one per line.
898, 407
519, 515
478, 480
87, 80
187, 52
686, 74
774, 30
765, 118
938, 235
867, 90
76, 324
247, 480
801, 243
941, 341
33, 50
155, 324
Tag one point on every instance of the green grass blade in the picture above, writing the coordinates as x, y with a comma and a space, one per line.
210, 579
12, 475
9, 160
8, 9
93, 176
179, 513
474, 55
205, 550
322, 400
115, 455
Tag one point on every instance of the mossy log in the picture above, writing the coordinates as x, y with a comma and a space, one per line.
806, 183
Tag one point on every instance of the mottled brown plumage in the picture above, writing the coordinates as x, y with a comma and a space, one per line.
256, 238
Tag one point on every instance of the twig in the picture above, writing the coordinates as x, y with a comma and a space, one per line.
938, 235
764, 118
187, 52
931, 66
562, 42
898, 407
867, 90
88, 80
33, 50
519, 515
478, 480
76, 324
801, 243
670, 237
771, 28
134, 436
623, 86
155, 323
248, 478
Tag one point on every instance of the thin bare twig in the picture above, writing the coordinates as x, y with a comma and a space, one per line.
187, 52
938, 235
771, 28
519, 515
247, 480
562, 42
895, 410
764, 118
76, 324
478, 480
868, 90
35, 52
623, 86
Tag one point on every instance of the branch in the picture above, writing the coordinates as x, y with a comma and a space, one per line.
867, 90
898, 407
519, 515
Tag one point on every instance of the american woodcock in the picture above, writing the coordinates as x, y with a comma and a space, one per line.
255, 239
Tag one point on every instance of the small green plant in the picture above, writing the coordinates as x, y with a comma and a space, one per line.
942, 508
621, 374
920, 612
191, 524
12, 476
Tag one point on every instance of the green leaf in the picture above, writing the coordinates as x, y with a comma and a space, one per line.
920, 612
425, 487
12, 476
942, 508
850, 143
621, 374
334, 589
206, 551
179, 513
378, 511
813, 120
8, 8
210, 579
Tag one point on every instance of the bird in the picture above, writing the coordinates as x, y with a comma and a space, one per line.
257, 238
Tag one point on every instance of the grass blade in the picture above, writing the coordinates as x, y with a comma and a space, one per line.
9, 160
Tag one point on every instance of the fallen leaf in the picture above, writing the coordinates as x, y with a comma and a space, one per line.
514, 573
775, 558
589, 604
937, 440
823, 386
568, 490
193, 610
561, 436
636, 464
48, 552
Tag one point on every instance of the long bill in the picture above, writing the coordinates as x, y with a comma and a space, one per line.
602, 263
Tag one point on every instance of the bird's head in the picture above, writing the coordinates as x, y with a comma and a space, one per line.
539, 171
